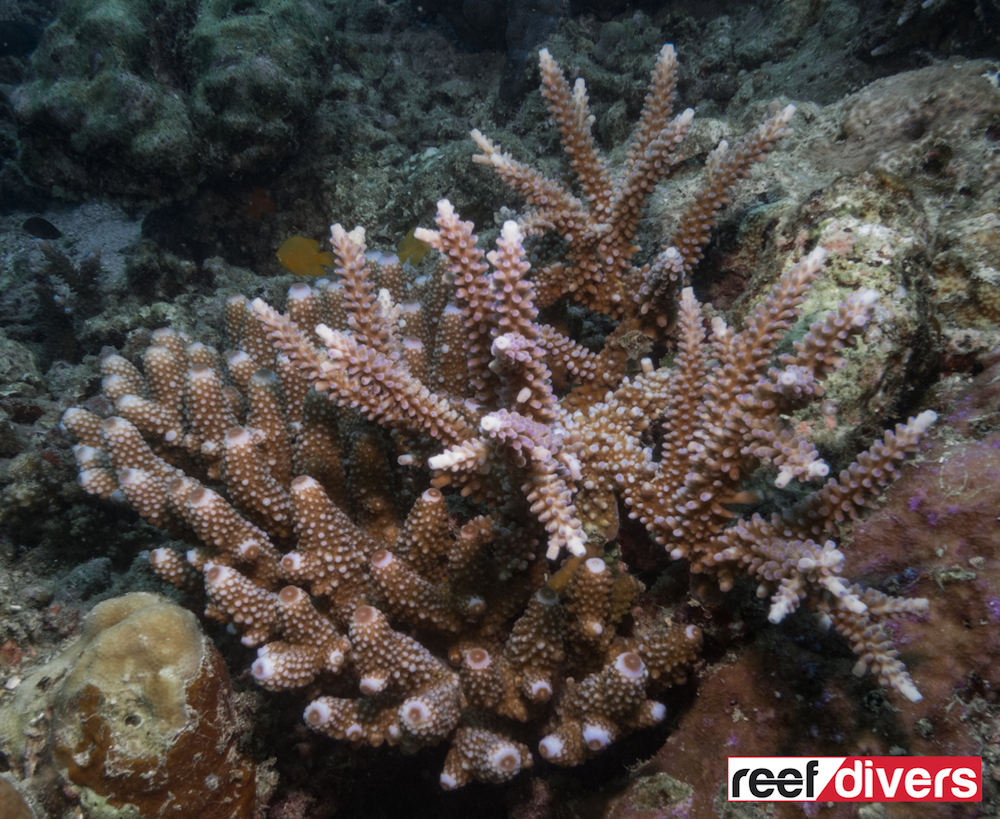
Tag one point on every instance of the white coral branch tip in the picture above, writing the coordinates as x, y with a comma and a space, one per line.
317, 713
908, 690
551, 747
425, 235
921, 423
596, 737
511, 232
505, 759
816, 258
263, 667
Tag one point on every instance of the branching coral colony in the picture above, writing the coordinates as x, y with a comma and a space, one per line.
417, 630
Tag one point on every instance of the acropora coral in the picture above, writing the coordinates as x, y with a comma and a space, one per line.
498, 624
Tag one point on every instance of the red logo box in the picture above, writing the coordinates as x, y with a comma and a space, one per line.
855, 779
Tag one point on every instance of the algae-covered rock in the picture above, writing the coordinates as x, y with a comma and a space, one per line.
875, 241
146, 100
256, 77
142, 723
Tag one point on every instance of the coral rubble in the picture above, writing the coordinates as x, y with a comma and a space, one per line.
448, 622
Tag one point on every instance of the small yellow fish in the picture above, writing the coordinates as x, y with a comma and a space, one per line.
302, 256
411, 249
